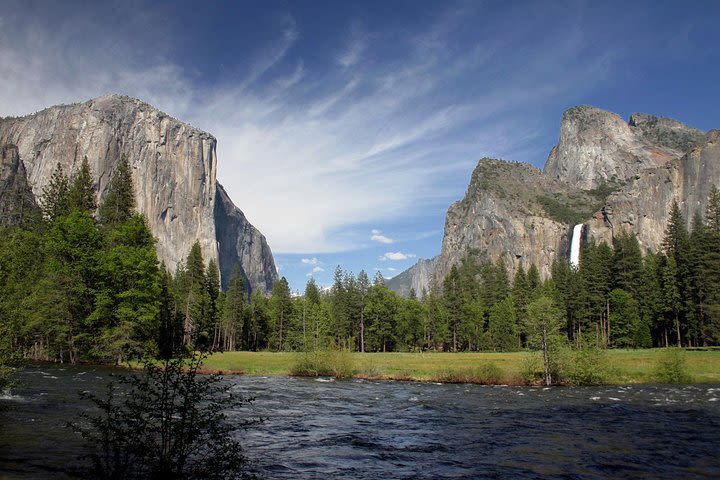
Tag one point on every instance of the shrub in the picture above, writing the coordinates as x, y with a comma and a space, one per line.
324, 363
165, 422
671, 367
587, 365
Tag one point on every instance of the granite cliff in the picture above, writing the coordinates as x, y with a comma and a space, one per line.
174, 169
606, 173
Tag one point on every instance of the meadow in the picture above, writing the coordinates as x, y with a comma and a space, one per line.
620, 366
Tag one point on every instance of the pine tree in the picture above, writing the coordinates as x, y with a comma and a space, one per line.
119, 202
54, 200
363, 287
677, 248
281, 307
502, 326
81, 193
626, 263
233, 314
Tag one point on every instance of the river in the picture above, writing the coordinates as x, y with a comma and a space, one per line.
319, 428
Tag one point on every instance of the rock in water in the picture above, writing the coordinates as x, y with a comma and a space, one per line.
174, 169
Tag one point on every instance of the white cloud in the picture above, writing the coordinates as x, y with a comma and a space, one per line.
310, 261
378, 237
314, 271
397, 256
391, 269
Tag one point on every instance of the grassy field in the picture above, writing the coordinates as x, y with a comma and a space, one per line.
623, 366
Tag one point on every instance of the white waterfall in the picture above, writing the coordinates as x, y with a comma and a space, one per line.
575, 245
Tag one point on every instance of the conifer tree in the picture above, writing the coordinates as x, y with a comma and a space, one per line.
502, 326
233, 312
281, 307
81, 193
119, 202
54, 200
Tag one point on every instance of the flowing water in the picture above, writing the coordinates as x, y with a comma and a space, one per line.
575, 245
319, 428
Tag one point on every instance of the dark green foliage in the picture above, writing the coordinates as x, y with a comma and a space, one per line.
380, 312
281, 320
543, 326
626, 263
81, 193
119, 201
54, 200
166, 422
502, 326
627, 328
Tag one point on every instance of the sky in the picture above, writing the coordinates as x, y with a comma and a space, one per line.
345, 128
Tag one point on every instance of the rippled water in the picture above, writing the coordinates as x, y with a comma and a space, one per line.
362, 429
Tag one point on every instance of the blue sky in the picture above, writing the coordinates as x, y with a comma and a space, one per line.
346, 129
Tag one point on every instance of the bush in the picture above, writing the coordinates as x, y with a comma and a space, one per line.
671, 367
485, 374
587, 365
165, 422
324, 363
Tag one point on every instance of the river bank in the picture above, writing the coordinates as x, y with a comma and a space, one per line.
622, 366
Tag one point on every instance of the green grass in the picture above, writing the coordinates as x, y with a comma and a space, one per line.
625, 366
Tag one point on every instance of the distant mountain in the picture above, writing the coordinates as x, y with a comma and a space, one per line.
417, 278
174, 167
605, 173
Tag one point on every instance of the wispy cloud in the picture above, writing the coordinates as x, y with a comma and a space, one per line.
310, 261
316, 140
377, 236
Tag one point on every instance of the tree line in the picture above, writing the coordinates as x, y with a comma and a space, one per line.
81, 281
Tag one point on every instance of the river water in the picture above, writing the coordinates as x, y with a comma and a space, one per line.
319, 428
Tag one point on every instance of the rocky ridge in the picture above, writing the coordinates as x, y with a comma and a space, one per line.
174, 169
633, 169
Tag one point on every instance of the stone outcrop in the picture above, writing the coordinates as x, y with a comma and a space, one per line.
632, 171
502, 216
174, 169
416, 278
596, 146
17, 202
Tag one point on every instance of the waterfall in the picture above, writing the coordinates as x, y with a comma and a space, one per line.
575, 245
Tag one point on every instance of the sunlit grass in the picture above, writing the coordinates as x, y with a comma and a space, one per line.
626, 366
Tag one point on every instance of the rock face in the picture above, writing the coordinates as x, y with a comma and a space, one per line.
17, 203
632, 171
174, 174
416, 278
502, 216
597, 146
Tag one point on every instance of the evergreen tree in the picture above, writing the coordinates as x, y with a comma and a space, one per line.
127, 298
627, 330
233, 314
119, 202
81, 193
281, 308
677, 248
54, 200
363, 288
533, 278
502, 326
380, 311
626, 263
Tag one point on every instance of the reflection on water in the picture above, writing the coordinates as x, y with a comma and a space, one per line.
361, 429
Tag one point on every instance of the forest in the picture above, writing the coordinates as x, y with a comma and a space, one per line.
82, 282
